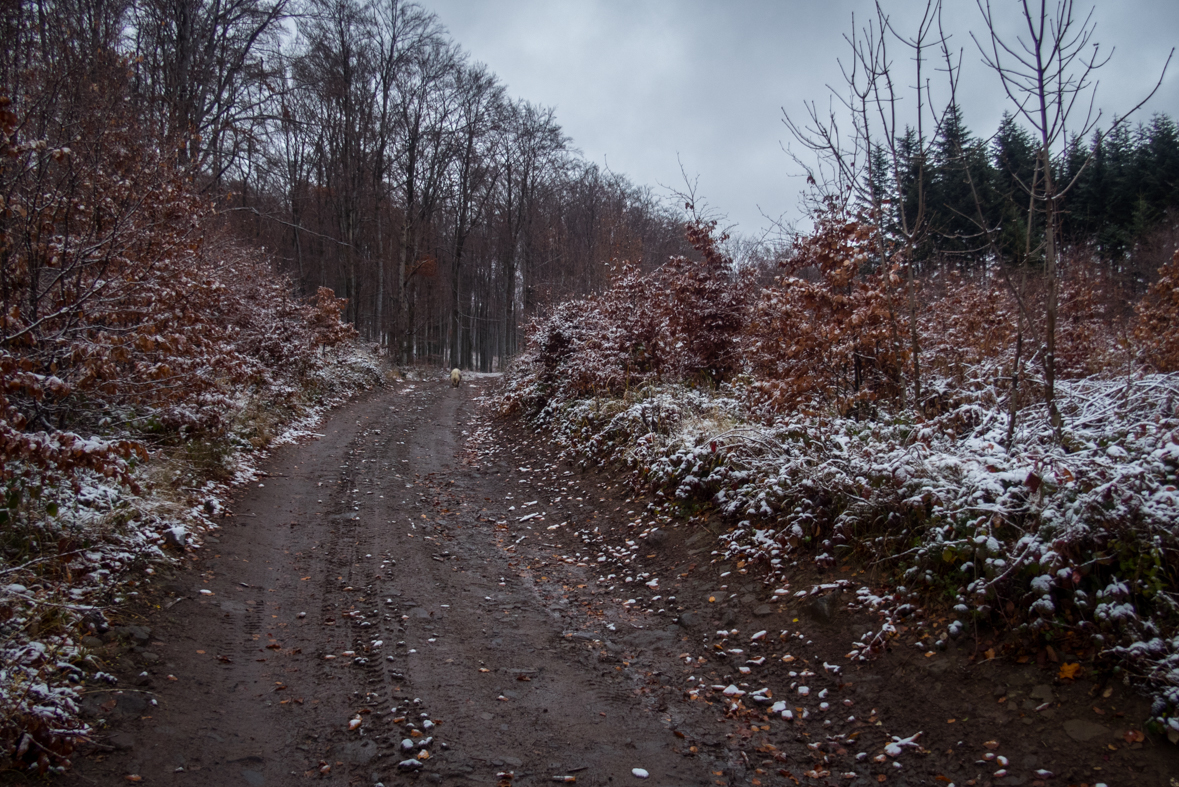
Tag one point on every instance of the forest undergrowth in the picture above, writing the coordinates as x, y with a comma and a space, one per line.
789, 409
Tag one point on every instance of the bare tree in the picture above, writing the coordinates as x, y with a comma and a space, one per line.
426, 111
1048, 74
335, 71
884, 159
200, 65
402, 31
476, 170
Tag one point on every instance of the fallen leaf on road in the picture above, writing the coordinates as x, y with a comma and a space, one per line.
1069, 671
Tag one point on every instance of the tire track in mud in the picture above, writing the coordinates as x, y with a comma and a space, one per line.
365, 579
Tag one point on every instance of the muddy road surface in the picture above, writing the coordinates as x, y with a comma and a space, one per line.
423, 595
357, 620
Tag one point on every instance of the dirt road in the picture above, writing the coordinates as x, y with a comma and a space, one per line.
386, 606
361, 580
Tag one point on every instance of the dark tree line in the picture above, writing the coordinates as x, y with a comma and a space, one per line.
1126, 185
361, 147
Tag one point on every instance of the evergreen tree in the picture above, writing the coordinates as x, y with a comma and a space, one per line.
1160, 176
1014, 155
881, 197
1086, 169
960, 188
912, 192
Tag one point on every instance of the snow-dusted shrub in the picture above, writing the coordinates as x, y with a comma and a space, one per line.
679, 322
1051, 537
812, 449
71, 552
126, 311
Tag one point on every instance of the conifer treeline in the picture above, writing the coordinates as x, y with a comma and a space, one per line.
1126, 182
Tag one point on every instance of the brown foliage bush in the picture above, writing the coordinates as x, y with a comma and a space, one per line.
680, 322
1157, 320
125, 311
832, 334
967, 324
832, 338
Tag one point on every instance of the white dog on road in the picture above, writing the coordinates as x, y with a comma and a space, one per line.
456, 377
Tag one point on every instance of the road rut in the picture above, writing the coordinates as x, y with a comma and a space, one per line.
362, 582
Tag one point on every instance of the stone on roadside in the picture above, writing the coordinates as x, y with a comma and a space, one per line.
1081, 730
820, 609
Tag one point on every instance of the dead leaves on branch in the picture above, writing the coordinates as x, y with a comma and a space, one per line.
1155, 326
827, 332
122, 299
679, 322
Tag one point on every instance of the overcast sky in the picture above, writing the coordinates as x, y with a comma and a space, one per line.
642, 85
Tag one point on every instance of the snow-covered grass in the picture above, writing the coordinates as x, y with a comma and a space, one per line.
1066, 538
72, 554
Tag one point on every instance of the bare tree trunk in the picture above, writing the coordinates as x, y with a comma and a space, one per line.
403, 261
1013, 401
380, 279
914, 344
1050, 266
